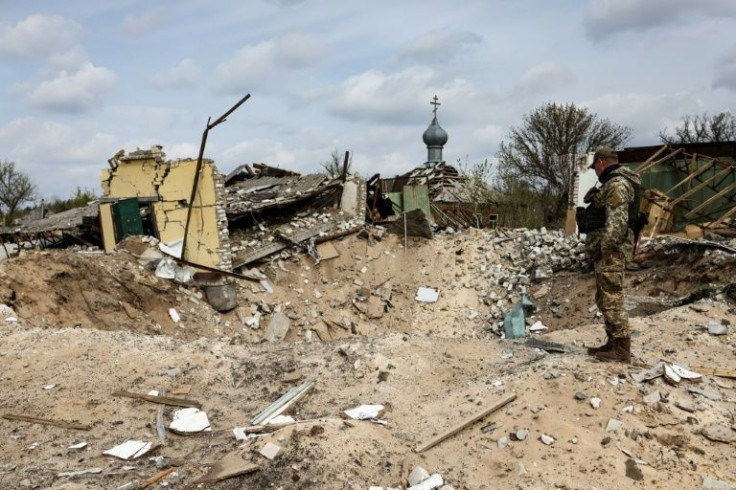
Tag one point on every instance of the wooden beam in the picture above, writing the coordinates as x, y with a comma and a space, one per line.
710, 200
457, 428
164, 400
698, 187
644, 165
720, 372
723, 218
690, 177
36, 420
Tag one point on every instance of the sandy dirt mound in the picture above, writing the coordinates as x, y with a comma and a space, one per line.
357, 332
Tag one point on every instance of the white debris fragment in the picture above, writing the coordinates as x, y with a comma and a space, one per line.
364, 412
79, 445
270, 450
433, 481
595, 402
417, 475
72, 474
427, 295
537, 327
130, 449
174, 315
190, 420
546, 439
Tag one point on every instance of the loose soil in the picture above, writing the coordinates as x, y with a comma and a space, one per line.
89, 324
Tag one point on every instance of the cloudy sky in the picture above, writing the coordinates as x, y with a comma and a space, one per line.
82, 79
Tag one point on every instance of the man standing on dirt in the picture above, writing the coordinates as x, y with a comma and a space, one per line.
610, 244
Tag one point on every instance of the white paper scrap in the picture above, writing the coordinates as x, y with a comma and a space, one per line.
189, 420
239, 433
78, 446
364, 412
130, 449
281, 419
537, 327
427, 295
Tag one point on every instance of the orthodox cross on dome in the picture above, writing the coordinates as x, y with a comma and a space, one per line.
435, 102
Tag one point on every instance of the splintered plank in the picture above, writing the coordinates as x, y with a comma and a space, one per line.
720, 372
465, 423
230, 466
58, 423
163, 400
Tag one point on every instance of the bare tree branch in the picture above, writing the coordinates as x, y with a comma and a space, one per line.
16, 188
540, 152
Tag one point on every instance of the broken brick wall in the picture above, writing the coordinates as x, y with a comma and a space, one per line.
167, 185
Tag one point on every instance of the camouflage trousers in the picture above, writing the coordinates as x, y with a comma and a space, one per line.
609, 292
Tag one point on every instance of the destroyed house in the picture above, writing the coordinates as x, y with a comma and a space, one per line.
143, 193
446, 196
687, 187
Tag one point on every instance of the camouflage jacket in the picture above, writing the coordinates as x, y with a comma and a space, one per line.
615, 195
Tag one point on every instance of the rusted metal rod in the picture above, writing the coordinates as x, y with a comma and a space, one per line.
198, 170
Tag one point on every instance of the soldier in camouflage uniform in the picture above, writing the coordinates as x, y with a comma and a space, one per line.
610, 245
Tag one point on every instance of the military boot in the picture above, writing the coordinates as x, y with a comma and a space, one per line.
621, 351
603, 348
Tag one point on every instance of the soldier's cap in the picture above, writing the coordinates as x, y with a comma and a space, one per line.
604, 152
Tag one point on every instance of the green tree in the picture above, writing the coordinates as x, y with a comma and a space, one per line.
540, 153
702, 128
16, 188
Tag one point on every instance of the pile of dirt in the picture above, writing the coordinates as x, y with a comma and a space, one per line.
357, 332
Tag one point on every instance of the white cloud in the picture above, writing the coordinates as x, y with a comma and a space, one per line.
400, 97
439, 46
605, 18
70, 60
544, 77
182, 150
152, 119
183, 75
647, 114
75, 92
489, 134
258, 150
57, 151
37, 36
726, 73
138, 25
254, 66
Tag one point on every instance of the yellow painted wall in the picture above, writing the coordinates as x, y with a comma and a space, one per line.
171, 184
108, 228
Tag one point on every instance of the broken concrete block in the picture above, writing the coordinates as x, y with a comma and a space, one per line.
270, 450
614, 425
417, 475
278, 327
430, 483
595, 402
652, 397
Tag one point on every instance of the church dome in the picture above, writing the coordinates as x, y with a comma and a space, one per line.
435, 135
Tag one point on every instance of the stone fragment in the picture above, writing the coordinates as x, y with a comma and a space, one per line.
713, 484
652, 397
595, 402
546, 439
502, 442
270, 450
522, 434
719, 433
580, 395
417, 475
614, 425
633, 471
433, 481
